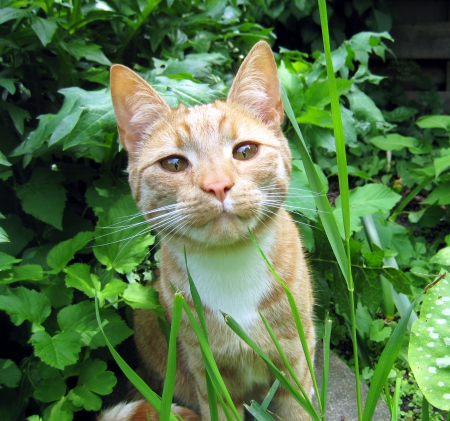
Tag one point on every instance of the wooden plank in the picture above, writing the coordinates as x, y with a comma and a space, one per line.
422, 41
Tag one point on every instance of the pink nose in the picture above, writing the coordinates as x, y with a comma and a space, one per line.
218, 188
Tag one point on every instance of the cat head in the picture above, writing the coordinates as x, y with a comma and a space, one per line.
206, 173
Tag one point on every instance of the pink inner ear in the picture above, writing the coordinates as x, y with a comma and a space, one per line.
257, 87
137, 106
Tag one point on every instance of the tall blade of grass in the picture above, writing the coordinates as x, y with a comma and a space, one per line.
276, 372
210, 364
385, 363
169, 382
343, 184
266, 402
322, 203
258, 412
425, 410
396, 400
297, 320
138, 383
283, 357
326, 361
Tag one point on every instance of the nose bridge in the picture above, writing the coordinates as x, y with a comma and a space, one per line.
217, 179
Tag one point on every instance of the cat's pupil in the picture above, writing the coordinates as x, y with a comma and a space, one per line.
244, 152
174, 163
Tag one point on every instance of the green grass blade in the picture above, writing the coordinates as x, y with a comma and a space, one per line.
258, 412
385, 363
210, 364
266, 402
169, 382
283, 357
396, 400
277, 373
326, 362
322, 203
425, 410
296, 316
140, 385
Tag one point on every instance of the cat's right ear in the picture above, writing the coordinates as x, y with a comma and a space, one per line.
137, 106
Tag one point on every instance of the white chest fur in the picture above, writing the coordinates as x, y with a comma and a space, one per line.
233, 280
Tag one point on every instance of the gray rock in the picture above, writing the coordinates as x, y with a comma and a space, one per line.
341, 398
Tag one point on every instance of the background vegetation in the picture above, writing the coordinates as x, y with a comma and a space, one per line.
66, 229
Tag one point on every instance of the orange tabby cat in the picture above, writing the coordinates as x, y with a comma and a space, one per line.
203, 176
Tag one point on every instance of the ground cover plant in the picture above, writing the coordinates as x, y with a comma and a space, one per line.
70, 232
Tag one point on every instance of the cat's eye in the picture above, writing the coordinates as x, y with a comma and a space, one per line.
174, 163
245, 151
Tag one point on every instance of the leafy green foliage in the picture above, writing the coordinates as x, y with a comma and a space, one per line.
70, 231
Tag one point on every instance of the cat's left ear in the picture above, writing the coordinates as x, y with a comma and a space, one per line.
257, 87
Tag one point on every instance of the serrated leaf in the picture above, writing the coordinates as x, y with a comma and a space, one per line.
7, 261
80, 49
121, 244
43, 196
79, 276
140, 296
80, 318
59, 350
95, 377
62, 253
4, 161
24, 304
50, 390
364, 201
81, 396
429, 349
10, 374
3, 236
44, 29
379, 332
59, 411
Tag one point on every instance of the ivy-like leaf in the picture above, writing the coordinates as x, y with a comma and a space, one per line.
50, 390
44, 197
121, 244
24, 304
57, 351
62, 253
79, 276
9, 373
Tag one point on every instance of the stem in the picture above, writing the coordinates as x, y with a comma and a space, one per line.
408, 198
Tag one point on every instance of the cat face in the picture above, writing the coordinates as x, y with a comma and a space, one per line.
210, 172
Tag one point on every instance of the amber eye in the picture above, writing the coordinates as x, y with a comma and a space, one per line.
174, 163
245, 151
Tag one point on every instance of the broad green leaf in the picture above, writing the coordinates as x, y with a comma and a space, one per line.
364, 109
80, 318
44, 29
79, 276
379, 331
62, 253
4, 161
18, 115
318, 94
103, 194
293, 86
9, 13
3, 236
366, 200
90, 51
44, 197
441, 164
7, 261
140, 296
442, 257
395, 142
81, 396
50, 390
400, 114
440, 195
434, 122
121, 244
9, 373
59, 411
57, 351
24, 304
94, 375
429, 349
316, 116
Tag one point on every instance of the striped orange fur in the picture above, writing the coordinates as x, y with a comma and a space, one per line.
203, 176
